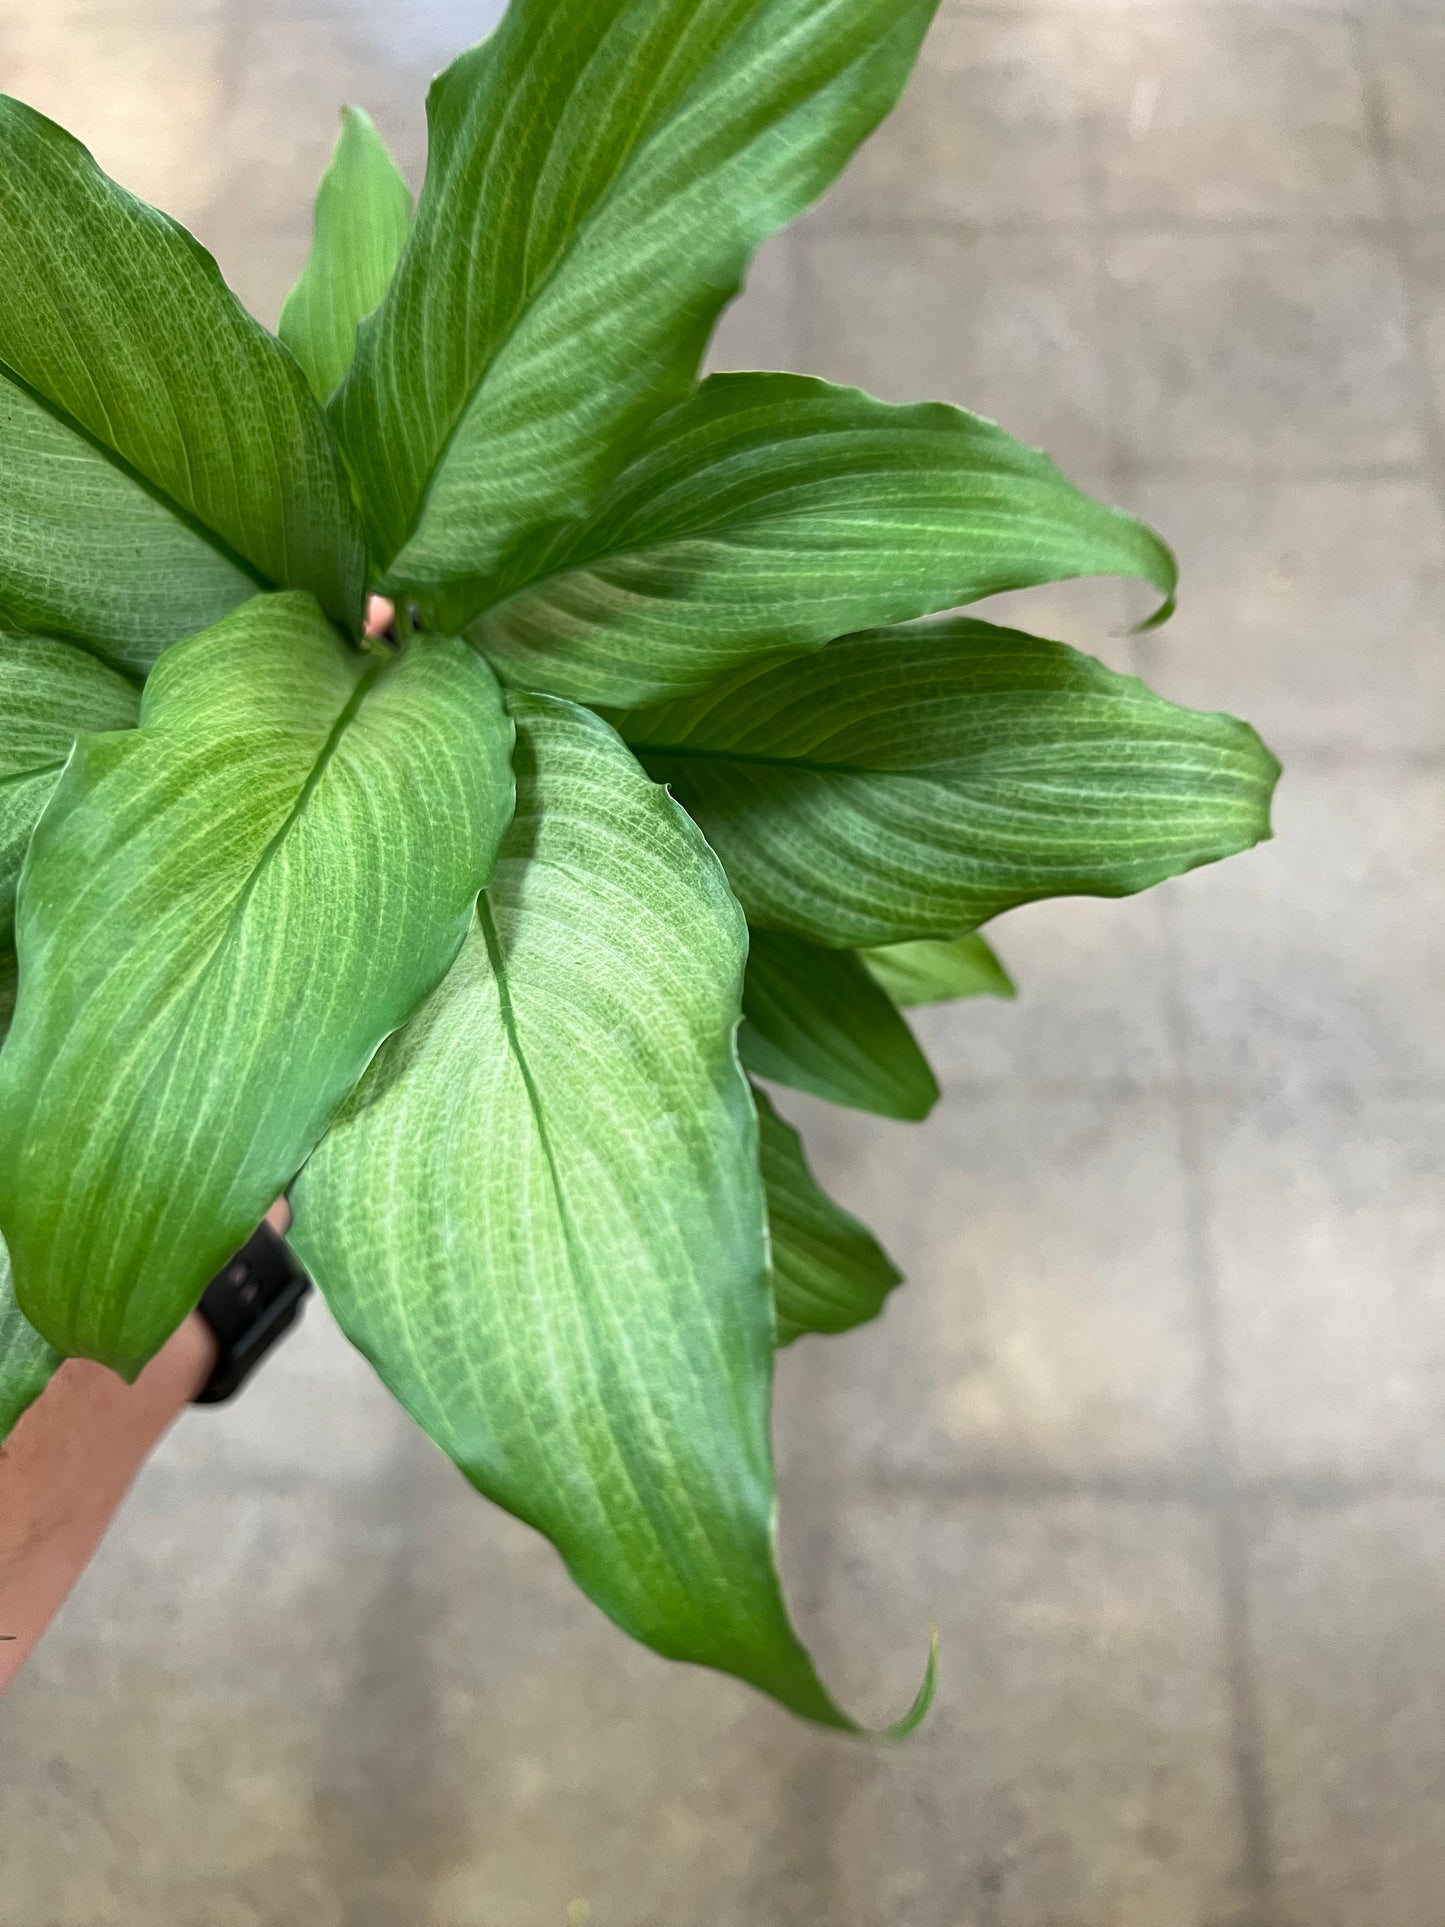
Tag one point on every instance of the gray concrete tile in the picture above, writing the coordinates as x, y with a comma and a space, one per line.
986, 132
168, 1755
360, 1693
1047, 1329
1425, 258
1407, 59
1077, 1767
1211, 114
1240, 348
1346, 1609
1004, 324
1314, 608
1092, 1008
1319, 959
762, 328
109, 98
577, 1768
1327, 1228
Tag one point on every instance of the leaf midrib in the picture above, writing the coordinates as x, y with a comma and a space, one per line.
185, 1002
162, 497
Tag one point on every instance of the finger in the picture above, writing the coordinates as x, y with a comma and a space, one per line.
380, 614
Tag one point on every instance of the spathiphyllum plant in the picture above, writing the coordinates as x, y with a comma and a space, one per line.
674, 767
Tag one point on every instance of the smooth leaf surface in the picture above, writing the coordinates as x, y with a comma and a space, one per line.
541, 1215
27, 1363
915, 782
816, 1020
49, 693
160, 455
600, 174
222, 915
774, 512
938, 970
363, 214
829, 1271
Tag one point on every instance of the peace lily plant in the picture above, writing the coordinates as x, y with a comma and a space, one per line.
448, 936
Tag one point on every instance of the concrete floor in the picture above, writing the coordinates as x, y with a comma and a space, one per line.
1157, 1431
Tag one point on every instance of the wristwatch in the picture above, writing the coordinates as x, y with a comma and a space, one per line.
249, 1305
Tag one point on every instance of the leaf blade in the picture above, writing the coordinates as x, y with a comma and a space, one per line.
916, 782
775, 512
830, 1274
816, 1020
565, 1123
223, 914
49, 693
634, 153
939, 970
138, 508
363, 216
27, 1363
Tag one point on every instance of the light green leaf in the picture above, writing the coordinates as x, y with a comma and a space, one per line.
938, 970
601, 172
49, 692
541, 1216
915, 782
774, 512
160, 456
363, 214
816, 1020
829, 1271
222, 915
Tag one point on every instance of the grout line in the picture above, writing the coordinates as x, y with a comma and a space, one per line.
1198, 1491
1400, 230
1217, 1472
1221, 1473
820, 224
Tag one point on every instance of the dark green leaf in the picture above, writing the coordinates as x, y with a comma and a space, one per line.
816, 1020
363, 214
601, 172
915, 782
938, 970
829, 1271
160, 456
49, 692
773, 512
541, 1217
223, 913
27, 1363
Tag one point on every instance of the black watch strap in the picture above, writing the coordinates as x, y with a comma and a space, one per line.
249, 1305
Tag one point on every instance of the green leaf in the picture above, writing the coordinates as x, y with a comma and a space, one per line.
829, 1271
774, 512
601, 172
541, 1217
915, 782
222, 915
816, 1020
938, 970
27, 1363
49, 692
363, 215
160, 455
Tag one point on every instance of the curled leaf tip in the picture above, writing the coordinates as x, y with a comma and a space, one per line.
923, 1700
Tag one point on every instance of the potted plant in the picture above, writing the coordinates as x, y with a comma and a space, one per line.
676, 764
